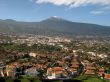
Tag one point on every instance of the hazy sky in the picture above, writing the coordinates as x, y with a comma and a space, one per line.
89, 11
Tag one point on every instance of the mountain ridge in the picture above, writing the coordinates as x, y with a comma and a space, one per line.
54, 26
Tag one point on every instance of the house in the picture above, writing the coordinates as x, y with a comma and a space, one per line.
10, 72
107, 76
58, 72
31, 71
55, 72
74, 68
10, 69
75, 65
50, 73
90, 70
101, 71
32, 54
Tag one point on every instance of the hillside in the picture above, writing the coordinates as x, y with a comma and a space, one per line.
54, 26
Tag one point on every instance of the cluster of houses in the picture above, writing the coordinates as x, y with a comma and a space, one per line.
94, 69
66, 67
41, 39
63, 70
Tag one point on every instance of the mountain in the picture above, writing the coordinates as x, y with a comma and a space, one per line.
54, 26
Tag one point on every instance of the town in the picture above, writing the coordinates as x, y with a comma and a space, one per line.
47, 57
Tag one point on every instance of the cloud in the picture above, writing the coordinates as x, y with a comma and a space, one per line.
75, 3
102, 10
97, 12
104, 5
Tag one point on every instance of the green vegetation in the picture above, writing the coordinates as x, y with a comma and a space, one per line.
25, 48
84, 78
87, 78
9, 79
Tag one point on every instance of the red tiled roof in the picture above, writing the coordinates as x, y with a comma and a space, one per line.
107, 76
57, 68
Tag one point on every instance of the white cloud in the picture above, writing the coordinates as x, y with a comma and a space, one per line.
102, 10
97, 12
104, 4
75, 3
